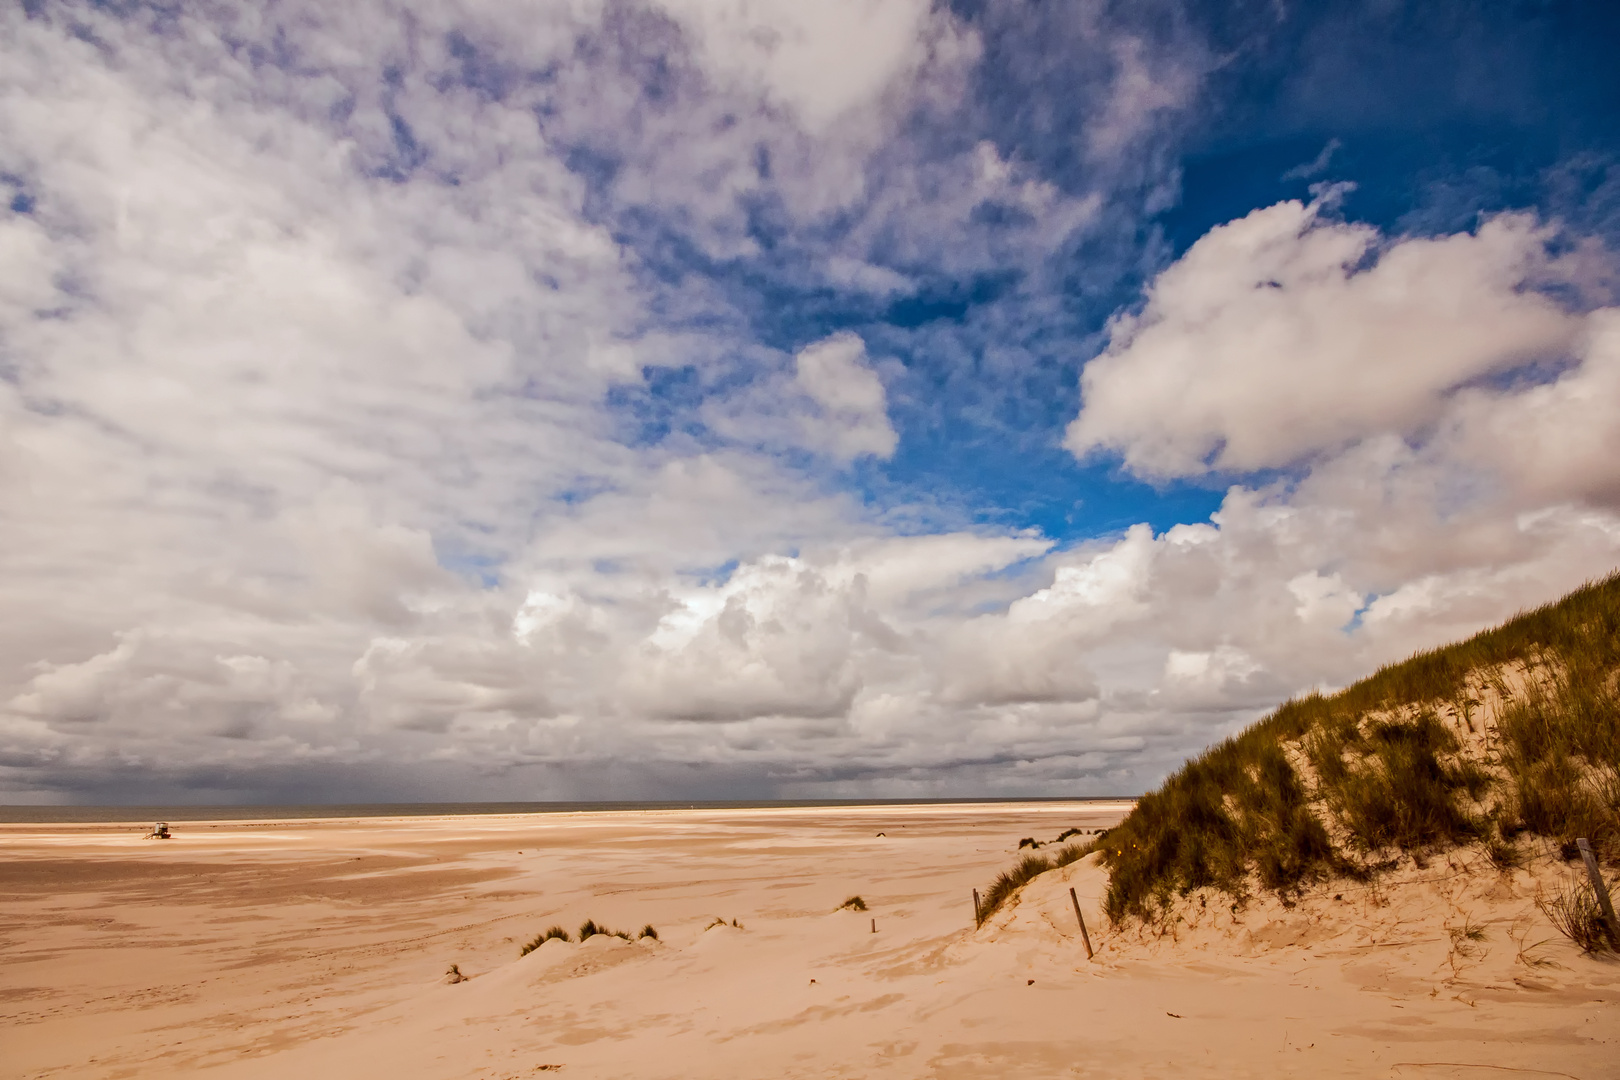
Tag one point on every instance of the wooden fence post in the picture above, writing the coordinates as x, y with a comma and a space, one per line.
1085, 937
978, 920
1594, 872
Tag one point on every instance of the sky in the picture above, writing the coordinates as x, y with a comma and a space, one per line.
663, 399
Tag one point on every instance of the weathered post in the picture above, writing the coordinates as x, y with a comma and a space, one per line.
1085, 937
1594, 872
978, 920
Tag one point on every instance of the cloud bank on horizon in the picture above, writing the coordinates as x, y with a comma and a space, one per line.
749, 398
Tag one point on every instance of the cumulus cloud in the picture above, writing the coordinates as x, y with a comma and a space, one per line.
1284, 333
386, 406
1552, 441
1445, 482
853, 417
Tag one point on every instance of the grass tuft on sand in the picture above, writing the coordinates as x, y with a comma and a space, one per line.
1026, 869
1573, 910
554, 932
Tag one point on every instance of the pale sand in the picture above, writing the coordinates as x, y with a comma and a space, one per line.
317, 949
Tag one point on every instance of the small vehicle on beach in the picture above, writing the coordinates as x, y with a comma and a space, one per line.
160, 831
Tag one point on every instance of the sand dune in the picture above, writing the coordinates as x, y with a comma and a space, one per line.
314, 949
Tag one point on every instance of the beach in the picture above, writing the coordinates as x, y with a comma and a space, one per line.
321, 947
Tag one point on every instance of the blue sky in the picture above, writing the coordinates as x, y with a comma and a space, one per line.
1436, 114
666, 398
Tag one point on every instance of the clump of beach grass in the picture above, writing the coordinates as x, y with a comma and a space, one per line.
591, 928
588, 929
1573, 910
854, 903
554, 932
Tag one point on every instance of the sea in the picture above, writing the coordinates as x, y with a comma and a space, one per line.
73, 814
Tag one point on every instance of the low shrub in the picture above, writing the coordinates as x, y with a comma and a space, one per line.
854, 903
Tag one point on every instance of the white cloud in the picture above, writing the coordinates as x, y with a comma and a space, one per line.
1141, 89
821, 60
1272, 339
853, 416
1555, 441
313, 456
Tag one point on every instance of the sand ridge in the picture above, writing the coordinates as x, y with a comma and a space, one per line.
319, 948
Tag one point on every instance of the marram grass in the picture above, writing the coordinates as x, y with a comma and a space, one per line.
1386, 778
1345, 785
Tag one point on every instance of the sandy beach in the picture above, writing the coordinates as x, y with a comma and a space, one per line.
320, 948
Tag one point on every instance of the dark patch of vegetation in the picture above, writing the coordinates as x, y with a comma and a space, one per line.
1028, 842
1397, 786
1561, 748
590, 928
1502, 853
854, 903
1238, 809
718, 921
554, 932
1388, 774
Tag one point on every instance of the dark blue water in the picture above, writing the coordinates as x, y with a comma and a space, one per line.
71, 814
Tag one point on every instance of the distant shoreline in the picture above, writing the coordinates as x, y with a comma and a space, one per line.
74, 815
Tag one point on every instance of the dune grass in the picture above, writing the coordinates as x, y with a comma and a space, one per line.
588, 929
854, 903
554, 932
1386, 777
1573, 910
1026, 869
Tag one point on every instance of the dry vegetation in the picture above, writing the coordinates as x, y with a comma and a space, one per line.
1509, 740
589, 929
1510, 736
1030, 866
